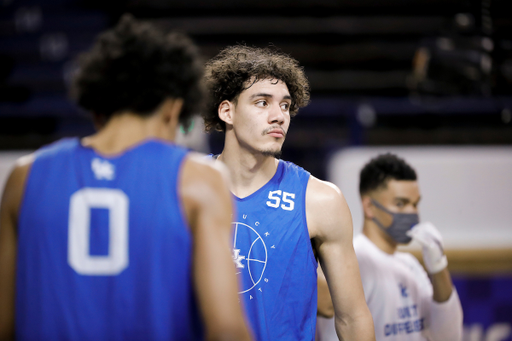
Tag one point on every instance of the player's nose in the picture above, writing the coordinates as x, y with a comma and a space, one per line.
276, 115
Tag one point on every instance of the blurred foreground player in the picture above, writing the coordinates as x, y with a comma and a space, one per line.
405, 304
118, 235
286, 217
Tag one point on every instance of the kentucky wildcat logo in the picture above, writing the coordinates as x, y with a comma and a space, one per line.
250, 255
103, 170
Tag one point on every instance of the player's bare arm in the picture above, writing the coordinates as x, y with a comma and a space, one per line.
330, 228
208, 206
11, 200
324, 305
442, 285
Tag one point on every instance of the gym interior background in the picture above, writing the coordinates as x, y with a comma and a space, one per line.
428, 79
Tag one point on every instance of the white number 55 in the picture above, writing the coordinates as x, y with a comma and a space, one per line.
276, 200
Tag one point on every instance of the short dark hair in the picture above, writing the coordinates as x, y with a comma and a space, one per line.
379, 170
134, 67
228, 73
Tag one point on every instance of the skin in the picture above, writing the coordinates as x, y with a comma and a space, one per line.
324, 302
253, 126
205, 195
399, 196
11, 199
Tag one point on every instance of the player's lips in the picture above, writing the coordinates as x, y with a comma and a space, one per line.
278, 133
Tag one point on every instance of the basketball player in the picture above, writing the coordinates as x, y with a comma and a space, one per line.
118, 235
286, 217
405, 303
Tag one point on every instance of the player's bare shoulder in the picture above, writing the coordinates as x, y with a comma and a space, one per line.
15, 185
19, 173
198, 168
322, 190
204, 185
22, 167
326, 207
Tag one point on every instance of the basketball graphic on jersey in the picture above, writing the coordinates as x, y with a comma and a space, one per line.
249, 255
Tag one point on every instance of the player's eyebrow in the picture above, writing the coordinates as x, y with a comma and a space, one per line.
406, 200
262, 94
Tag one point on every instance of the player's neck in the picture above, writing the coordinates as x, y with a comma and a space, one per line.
379, 237
249, 170
126, 130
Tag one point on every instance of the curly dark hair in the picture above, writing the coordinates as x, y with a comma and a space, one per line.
134, 67
228, 74
379, 170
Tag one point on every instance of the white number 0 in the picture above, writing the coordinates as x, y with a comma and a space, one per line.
79, 257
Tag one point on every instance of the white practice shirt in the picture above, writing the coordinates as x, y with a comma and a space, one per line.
399, 295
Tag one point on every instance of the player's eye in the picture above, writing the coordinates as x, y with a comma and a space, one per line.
285, 106
261, 103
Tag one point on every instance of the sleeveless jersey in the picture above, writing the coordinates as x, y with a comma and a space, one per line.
274, 258
104, 250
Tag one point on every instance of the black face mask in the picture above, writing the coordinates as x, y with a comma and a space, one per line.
402, 222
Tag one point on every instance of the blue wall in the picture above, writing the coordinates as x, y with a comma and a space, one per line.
487, 306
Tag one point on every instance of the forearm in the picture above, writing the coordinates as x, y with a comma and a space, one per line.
442, 285
446, 319
357, 327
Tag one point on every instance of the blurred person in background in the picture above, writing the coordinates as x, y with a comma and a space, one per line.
122, 235
286, 217
406, 303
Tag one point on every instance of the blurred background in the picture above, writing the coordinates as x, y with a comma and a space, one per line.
428, 79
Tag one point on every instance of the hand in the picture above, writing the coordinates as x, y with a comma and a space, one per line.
430, 239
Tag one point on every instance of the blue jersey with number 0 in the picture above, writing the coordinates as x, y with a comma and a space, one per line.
274, 258
104, 250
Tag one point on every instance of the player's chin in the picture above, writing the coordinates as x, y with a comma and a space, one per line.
273, 152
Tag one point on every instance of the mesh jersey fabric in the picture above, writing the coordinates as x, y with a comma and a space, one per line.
104, 249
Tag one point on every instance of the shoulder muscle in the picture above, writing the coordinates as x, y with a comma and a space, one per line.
15, 186
204, 188
326, 208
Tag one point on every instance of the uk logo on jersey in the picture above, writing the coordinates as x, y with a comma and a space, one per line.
403, 290
237, 258
250, 255
103, 170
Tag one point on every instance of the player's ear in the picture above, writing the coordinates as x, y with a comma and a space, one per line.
171, 109
225, 112
368, 207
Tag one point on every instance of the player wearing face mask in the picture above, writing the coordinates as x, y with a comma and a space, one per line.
406, 303
401, 223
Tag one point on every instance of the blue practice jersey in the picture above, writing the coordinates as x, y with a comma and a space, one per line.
104, 249
274, 258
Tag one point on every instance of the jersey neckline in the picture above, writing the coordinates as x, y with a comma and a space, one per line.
278, 172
